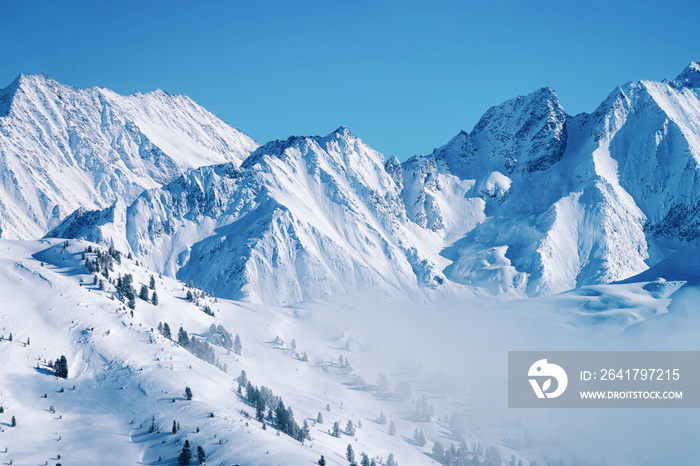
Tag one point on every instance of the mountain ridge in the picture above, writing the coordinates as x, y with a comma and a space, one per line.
532, 201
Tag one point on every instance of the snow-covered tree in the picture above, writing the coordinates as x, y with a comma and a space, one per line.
390, 461
188, 393
382, 418
350, 454
392, 428
322, 461
185, 454
364, 459
319, 418
154, 299
152, 283
182, 338
336, 429
350, 428
201, 455
419, 437
143, 294
237, 347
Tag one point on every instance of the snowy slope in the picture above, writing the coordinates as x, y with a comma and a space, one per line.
123, 373
127, 376
62, 148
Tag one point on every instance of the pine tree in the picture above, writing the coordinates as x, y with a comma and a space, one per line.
419, 437
237, 347
166, 331
392, 428
13, 422
185, 454
201, 455
350, 428
382, 418
319, 418
188, 393
182, 338
390, 461
189, 296
61, 367
364, 461
350, 454
336, 429
152, 284
305, 431
174, 427
322, 461
154, 299
143, 294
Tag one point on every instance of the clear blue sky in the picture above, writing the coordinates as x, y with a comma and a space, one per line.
404, 76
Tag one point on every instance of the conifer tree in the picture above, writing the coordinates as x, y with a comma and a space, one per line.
154, 299
237, 347
350, 454
364, 459
201, 455
13, 422
350, 428
61, 367
185, 454
188, 393
143, 294
322, 461
392, 428
152, 284
182, 338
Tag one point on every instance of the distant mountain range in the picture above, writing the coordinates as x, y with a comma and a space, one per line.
532, 201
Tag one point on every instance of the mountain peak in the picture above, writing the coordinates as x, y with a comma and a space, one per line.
690, 76
22, 81
342, 131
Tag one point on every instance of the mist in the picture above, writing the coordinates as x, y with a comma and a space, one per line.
456, 351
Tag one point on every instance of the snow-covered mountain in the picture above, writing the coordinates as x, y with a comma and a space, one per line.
568, 201
301, 218
531, 201
63, 148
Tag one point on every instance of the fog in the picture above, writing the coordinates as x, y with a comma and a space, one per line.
460, 347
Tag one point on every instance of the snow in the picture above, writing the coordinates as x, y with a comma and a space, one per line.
125, 372
62, 148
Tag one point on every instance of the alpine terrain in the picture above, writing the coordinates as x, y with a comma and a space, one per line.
175, 293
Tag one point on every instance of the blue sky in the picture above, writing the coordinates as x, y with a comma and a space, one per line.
404, 76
